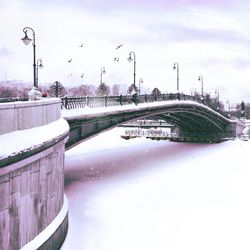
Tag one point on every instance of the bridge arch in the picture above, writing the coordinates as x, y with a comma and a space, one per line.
190, 117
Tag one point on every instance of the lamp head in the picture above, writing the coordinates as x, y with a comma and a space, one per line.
130, 58
40, 65
26, 40
175, 66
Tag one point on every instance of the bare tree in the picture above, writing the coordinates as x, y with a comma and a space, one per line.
57, 89
156, 92
82, 90
116, 89
132, 88
9, 92
103, 89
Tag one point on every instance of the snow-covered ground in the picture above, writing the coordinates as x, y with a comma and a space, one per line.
157, 195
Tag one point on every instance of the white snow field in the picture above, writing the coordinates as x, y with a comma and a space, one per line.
157, 195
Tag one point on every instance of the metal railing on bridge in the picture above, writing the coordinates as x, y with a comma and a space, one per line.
13, 99
105, 101
69, 102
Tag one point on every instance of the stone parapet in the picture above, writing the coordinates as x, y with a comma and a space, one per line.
33, 211
32, 192
28, 114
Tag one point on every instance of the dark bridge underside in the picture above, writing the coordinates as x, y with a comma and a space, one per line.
195, 120
192, 120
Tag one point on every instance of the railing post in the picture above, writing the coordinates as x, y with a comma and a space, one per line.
66, 102
120, 99
146, 98
106, 100
87, 100
62, 102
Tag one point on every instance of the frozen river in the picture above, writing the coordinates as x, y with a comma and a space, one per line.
158, 195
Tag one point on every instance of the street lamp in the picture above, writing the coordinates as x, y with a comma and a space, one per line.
140, 82
218, 94
39, 64
229, 107
193, 91
26, 40
130, 59
176, 67
200, 78
102, 72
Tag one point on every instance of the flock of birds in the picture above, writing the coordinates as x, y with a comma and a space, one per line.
116, 59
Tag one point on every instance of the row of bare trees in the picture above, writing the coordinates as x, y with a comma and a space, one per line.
9, 89
57, 89
6, 91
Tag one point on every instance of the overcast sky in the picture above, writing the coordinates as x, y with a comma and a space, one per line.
206, 37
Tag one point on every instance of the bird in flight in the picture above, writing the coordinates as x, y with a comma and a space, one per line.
70, 60
116, 59
119, 46
82, 75
81, 45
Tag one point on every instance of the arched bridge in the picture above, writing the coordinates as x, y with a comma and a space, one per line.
193, 119
32, 169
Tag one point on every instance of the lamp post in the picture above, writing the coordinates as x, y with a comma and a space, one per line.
102, 72
130, 59
26, 40
140, 82
176, 67
218, 94
39, 64
229, 107
193, 91
200, 78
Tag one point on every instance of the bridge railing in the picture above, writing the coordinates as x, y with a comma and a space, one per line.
69, 102
105, 101
13, 99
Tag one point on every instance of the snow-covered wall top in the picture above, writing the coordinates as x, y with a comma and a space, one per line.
28, 114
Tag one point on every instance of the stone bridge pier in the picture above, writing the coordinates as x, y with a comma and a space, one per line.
33, 208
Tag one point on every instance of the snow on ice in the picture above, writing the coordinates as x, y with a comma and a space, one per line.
143, 194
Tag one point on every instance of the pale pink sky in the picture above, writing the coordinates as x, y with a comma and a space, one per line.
208, 38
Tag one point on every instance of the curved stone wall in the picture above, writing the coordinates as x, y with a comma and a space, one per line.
33, 211
28, 114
